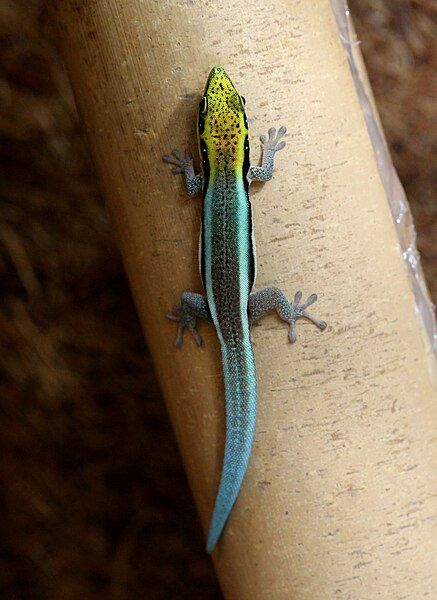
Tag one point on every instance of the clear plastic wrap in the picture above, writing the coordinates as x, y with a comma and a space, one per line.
396, 197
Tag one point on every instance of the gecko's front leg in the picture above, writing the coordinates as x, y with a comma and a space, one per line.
192, 306
270, 145
271, 298
183, 163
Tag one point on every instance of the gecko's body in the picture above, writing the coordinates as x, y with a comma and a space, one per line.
227, 263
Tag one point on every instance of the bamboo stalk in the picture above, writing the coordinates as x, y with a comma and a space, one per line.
339, 498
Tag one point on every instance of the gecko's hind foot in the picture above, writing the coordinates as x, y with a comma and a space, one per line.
182, 162
274, 140
186, 321
298, 310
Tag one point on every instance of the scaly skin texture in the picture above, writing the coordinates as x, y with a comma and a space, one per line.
228, 270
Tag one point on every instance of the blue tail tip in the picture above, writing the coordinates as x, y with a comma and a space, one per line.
211, 543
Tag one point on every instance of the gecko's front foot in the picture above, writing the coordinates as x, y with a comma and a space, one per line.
186, 321
182, 162
274, 142
270, 145
298, 310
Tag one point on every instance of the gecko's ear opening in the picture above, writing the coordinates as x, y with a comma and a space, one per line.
203, 105
243, 100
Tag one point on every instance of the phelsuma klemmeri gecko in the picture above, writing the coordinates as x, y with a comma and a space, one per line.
227, 265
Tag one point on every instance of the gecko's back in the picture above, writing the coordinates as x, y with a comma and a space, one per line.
227, 265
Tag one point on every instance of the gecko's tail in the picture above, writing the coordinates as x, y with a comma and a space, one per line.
241, 398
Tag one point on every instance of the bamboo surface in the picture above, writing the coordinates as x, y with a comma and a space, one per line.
340, 496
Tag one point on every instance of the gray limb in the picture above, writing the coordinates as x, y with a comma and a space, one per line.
184, 164
271, 298
192, 306
270, 146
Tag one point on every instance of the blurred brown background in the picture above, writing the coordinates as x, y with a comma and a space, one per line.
94, 499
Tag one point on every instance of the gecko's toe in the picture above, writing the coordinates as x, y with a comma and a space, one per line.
197, 337
292, 334
172, 317
299, 310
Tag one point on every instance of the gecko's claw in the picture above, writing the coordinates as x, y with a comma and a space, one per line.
298, 311
186, 321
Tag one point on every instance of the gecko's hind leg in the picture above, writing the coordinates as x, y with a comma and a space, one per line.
271, 298
192, 306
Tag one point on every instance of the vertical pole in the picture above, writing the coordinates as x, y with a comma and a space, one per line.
340, 496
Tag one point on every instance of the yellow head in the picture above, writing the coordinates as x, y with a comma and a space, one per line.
222, 123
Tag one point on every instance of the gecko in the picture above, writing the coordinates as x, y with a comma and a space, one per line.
227, 266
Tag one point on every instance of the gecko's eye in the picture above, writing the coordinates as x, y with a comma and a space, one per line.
203, 106
243, 100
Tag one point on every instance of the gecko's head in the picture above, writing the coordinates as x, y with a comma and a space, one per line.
222, 119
